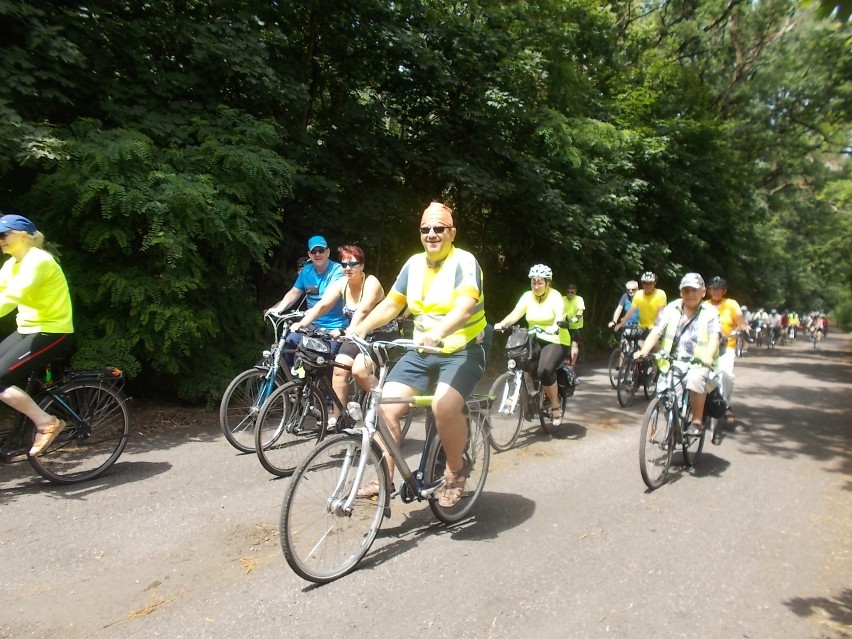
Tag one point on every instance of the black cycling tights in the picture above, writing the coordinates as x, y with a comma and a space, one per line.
552, 355
21, 354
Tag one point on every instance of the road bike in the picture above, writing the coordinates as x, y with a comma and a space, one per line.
95, 409
628, 344
665, 424
247, 393
518, 394
633, 373
326, 528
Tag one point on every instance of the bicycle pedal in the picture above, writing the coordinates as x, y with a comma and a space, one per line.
13, 456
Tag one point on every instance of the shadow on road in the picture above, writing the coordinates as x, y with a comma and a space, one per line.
495, 513
837, 611
123, 472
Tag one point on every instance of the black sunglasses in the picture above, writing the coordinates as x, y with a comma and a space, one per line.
317, 251
351, 264
425, 230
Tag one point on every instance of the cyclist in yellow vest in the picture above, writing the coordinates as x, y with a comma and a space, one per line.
574, 309
689, 329
730, 318
33, 283
647, 303
542, 307
442, 288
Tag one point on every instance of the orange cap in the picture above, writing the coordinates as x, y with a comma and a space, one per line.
438, 213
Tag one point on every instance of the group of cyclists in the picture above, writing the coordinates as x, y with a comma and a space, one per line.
774, 328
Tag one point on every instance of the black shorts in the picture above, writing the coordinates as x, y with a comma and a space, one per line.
24, 353
576, 334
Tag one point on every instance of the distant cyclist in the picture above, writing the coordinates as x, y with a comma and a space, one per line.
647, 303
575, 307
624, 305
542, 307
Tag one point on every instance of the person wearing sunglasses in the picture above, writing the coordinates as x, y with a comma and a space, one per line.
442, 288
624, 305
32, 282
647, 304
542, 307
313, 281
359, 293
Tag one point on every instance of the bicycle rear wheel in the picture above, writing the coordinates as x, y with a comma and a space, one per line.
241, 404
628, 378
290, 424
615, 359
476, 458
656, 444
98, 423
321, 540
506, 412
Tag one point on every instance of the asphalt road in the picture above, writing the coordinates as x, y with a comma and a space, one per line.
180, 539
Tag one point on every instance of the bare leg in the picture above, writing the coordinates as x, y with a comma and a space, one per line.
340, 381
552, 396
363, 373
575, 351
391, 414
448, 408
23, 403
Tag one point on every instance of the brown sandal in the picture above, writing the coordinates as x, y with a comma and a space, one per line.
45, 437
371, 489
453, 488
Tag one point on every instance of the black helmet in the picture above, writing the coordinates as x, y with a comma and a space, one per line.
302, 261
717, 282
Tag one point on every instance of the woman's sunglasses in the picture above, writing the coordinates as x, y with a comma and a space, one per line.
351, 264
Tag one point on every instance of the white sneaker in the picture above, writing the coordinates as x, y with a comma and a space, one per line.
332, 423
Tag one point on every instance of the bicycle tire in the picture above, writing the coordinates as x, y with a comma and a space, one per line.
547, 426
477, 455
692, 447
650, 379
504, 418
241, 403
290, 424
739, 346
92, 440
614, 363
320, 542
628, 377
656, 444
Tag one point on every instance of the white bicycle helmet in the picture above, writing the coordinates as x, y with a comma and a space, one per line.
541, 270
648, 276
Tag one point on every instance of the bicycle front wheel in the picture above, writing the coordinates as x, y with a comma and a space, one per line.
627, 379
321, 539
290, 424
476, 456
241, 404
656, 444
693, 445
97, 425
615, 360
506, 411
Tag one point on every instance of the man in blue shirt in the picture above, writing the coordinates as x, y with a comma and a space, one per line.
312, 282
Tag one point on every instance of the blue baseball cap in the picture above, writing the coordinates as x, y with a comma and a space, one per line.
13, 222
315, 241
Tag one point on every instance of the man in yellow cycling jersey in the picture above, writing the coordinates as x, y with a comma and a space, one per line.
442, 288
647, 303
730, 318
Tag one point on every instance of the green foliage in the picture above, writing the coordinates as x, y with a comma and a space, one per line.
179, 154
